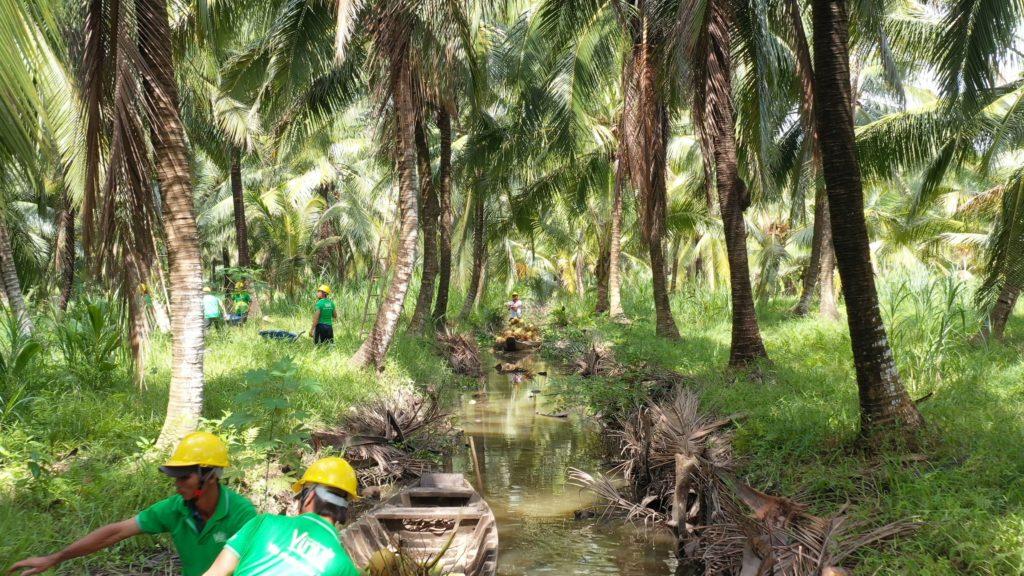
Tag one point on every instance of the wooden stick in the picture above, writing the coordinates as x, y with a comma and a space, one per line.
476, 464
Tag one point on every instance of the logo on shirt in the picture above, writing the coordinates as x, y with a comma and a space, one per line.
310, 551
220, 537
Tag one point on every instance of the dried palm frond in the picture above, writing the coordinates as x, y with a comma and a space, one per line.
381, 437
462, 353
615, 502
764, 534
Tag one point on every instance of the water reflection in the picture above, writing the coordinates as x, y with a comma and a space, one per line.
518, 458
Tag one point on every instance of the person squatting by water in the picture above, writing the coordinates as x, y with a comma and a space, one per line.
307, 544
200, 518
323, 316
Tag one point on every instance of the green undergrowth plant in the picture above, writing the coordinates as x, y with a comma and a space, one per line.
89, 338
17, 351
272, 426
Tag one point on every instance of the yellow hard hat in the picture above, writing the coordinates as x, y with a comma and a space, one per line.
239, 284
515, 294
200, 449
324, 288
332, 472
206, 288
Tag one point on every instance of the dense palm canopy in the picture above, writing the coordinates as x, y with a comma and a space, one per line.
561, 147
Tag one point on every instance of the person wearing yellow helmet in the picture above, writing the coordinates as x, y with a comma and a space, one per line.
200, 518
241, 301
324, 314
307, 544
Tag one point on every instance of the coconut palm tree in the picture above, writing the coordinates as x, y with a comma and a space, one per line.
444, 237
131, 46
884, 402
714, 115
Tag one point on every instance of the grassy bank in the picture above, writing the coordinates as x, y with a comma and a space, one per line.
77, 453
802, 417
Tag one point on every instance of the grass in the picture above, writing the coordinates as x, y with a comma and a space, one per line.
800, 432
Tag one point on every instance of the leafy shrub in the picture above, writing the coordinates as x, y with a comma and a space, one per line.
89, 338
17, 351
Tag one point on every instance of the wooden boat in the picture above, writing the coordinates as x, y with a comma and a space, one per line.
420, 521
515, 345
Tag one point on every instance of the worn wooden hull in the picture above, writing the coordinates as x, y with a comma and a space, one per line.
421, 520
514, 345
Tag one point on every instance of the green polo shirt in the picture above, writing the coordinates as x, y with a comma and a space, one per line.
242, 300
326, 308
305, 545
197, 549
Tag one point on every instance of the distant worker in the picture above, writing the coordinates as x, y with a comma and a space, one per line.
241, 301
323, 316
515, 307
213, 309
147, 296
200, 518
307, 544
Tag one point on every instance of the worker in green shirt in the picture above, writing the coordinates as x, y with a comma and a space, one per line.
213, 309
200, 518
307, 544
323, 316
241, 300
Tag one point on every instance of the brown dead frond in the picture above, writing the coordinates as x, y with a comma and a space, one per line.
614, 502
384, 439
597, 361
461, 352
764, 534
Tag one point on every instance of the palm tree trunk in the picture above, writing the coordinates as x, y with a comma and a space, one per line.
138, 323
64, 250
673, 275
444, 170
374, 350
732, 196
163, 321
827, 306
1001, 312
645, 132
821, 266
884, 402
429, 210
479, 257
813, 271
615, 248
601, 272
580, 265
185, 401
11, 284
238, 200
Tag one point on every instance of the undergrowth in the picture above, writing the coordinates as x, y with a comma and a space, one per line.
799, 437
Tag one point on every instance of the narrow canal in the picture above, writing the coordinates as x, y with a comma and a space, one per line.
518, 459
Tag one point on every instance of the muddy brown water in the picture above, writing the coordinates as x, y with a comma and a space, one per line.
520, 467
